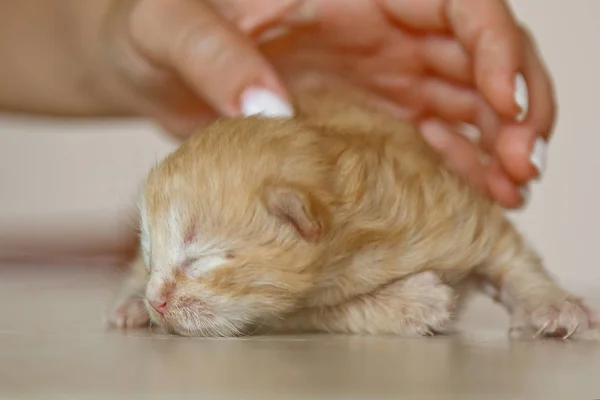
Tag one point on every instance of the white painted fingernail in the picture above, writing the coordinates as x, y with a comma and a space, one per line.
521, 97
258, 101
538, 155
524, 192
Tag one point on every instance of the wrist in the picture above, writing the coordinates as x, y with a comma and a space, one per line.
101, 87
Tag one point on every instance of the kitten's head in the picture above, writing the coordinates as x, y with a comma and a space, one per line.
234, 225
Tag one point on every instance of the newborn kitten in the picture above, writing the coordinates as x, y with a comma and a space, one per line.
339, 220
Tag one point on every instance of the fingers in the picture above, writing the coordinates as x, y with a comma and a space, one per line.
501, 51
542, 110
421, 15
522, 148
448, 101
461, 104
222, 66
501, 188
485, 48
486, 30
475, 161
466, 159
491, 36
447, 58
460, 154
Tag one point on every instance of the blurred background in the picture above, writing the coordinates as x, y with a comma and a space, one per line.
68, 188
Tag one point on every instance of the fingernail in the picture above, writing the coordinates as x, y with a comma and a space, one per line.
524, 192
521, 97
538, 155
259, 101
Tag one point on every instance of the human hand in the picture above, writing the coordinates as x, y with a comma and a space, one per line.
440, 63
182, 62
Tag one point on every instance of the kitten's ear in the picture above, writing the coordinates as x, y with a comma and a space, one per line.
296, 205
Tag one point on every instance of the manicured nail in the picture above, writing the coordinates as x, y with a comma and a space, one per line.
524, 192
258, 101
521, 97
538, 155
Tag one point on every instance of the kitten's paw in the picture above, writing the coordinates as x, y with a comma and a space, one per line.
555, 318
425, 305
129, 313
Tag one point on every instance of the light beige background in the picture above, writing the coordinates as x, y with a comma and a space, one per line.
71, 185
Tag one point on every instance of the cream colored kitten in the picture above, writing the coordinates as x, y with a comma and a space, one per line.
339, 220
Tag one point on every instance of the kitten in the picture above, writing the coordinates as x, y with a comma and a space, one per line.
339, 220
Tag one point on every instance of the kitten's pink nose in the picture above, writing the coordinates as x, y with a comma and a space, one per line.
159, 305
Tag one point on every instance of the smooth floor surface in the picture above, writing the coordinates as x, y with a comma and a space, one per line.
53, 345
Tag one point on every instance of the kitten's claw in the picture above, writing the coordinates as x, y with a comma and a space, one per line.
554, 318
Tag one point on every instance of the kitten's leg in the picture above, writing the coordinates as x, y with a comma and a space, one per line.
129, 310
415, 306
538, 305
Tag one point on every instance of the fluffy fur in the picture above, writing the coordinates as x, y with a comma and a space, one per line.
339, 220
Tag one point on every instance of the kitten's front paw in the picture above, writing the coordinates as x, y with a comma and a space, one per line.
555, 318
129, 313
425, 305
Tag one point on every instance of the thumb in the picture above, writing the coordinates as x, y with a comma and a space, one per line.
220, 64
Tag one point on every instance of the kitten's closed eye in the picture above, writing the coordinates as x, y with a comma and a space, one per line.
197, 265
